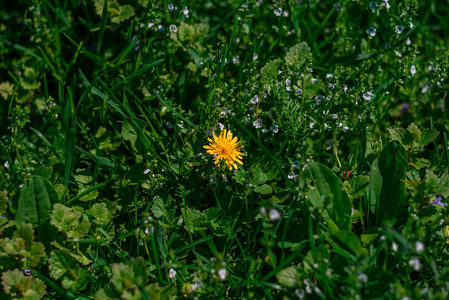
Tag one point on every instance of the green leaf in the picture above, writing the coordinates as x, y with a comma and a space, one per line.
125, 12
298, 54
270, 71
101, 213
437, 185
22, 247
332, 194
350, 242
130, 130
368, 238
259, 177
427, 136
288, 277
6, 89
194, 220
403, 136
130, 274
264, 189
67, 221
63, 266
190, 35
3, 202
35, 202
16, 284
392, 198
356, 186
162, 209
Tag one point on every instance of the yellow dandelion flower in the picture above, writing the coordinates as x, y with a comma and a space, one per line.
225, 147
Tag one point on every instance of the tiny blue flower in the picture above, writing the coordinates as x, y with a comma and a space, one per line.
437, 201
371, 32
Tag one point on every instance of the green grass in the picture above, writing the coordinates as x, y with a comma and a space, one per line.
106, 191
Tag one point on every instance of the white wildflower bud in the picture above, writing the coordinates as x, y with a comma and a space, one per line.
394, 247
420, 247
274, 214
415, 263
222, 274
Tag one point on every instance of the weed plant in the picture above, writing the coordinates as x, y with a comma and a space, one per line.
224, 149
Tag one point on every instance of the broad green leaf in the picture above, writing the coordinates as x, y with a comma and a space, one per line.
356, 186
427, 136
259, 177
68, 221
298, 54
22, 247
194, 220
125, 12
392, 165
402, 135
63, 266
288, 277
264, 189
16, 283
332, 191
437, 185
163, 208
270, 71
368, 238
350, 242
6, 89
131, 129
190, 35
35, 202
130, 274
413, 136
101, 214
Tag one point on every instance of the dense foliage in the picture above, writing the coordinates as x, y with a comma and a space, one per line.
340, 110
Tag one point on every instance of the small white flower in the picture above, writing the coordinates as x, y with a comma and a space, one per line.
278, 12
398, 29
6, 164
173, 28
300, 293
308, 289
363, 278
171, 273
420, 247
255, 99
274, 214
415, 263
394, 247
371, 31
257, 123
413, 70
367, 96
222, 274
